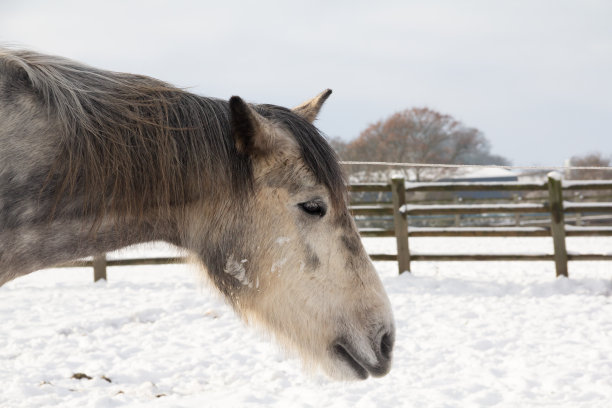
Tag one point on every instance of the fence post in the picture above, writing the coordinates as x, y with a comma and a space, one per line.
99, 266
458, 216
398, 194
579, 222
517, 216
557, 222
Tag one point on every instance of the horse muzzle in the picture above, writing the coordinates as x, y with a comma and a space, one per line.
365, 358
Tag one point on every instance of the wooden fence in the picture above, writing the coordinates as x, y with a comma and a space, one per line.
554, 206
400, 210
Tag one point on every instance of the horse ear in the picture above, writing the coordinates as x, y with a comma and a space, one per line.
252, 132
310, 109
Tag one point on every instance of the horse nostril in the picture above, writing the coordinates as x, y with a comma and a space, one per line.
386, 346
342, 350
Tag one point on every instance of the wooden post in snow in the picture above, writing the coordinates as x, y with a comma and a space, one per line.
398, 194
557, 222
99, 266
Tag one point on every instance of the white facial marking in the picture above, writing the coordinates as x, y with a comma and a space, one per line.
276, 266
236, 269
282, 240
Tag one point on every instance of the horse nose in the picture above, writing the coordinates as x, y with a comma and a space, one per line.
386, 345
383, 347
370, 357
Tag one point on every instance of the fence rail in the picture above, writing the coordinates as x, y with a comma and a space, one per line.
399, 210
555, 206
473, 209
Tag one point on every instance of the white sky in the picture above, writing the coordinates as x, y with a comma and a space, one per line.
534, 76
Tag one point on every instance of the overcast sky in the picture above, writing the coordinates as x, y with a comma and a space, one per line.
534, 76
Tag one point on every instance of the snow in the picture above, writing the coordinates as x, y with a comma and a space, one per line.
598, 206
573, 184
282, 240
479, 229
482, 172
525, 207
469, 185
236, 270
469, 334
589, 228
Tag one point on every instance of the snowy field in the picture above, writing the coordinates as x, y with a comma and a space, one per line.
469, 334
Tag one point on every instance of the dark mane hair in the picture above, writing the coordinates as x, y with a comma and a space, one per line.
130, 143
316, 152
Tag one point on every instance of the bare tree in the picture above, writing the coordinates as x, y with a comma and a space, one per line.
590, 160
421, 135
338, 145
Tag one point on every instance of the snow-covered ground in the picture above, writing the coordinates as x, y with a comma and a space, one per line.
503, 334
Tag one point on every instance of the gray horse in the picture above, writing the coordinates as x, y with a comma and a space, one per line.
92, 161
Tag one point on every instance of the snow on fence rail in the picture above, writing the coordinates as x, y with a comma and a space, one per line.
555, 206
400, 210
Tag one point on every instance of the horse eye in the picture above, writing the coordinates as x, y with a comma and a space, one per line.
313, 208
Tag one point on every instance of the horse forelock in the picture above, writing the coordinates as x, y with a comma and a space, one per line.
316, 153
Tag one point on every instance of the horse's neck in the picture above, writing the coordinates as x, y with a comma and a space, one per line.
29, 242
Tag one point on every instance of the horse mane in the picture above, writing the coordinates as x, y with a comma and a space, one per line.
130, 143
316, 152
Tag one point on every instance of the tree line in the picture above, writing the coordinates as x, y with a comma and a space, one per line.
595, 159
423, 135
